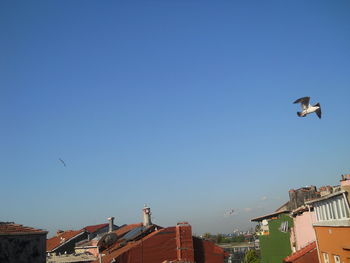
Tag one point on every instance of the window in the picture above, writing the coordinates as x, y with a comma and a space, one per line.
284, 226
335, 209
340, 208
346, 211
332, 209
336, 259
325, 258
317, 213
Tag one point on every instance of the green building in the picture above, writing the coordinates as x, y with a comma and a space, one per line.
274, 236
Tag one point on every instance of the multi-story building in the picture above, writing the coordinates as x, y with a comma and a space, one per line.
303, 238
274, 236
332, 226
278, 234
302, 232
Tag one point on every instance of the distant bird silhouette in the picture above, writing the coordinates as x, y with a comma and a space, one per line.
229, 212
307, 108
62, 162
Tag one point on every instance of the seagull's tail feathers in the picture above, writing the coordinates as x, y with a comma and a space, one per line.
318, 111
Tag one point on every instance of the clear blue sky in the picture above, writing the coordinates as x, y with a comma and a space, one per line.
183, 105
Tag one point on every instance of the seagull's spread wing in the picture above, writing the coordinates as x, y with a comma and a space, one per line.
304, 102
62, 161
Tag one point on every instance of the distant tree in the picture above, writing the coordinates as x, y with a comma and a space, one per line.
238, 239
206, 235
219, 238
251, 257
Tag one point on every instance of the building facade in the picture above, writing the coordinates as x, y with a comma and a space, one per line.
274, 239
20, 244
332, 226
302, 233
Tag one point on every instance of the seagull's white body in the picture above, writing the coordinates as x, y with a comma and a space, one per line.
307, 108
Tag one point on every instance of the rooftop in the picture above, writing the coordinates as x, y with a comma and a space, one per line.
325, 197
293, 257
260, 218
10, 228
61, 238
94, 228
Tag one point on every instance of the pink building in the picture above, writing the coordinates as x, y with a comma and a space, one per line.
303, 232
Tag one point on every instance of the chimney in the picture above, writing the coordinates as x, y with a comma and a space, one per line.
110, 219
345, 180
146, 216
184, 242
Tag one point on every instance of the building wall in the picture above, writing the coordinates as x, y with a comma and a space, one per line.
90, 248
276, 246
30, 248
298, 197
303, 231
207, 252
332, 240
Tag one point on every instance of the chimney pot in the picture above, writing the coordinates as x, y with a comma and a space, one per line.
110, 220
146, 216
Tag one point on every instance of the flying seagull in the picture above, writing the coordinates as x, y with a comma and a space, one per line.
307, 108
62, 162
229, 212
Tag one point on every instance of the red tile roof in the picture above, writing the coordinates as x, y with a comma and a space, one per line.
159, 246
300, 252
10, 228
56, 241
94, 228
116, 250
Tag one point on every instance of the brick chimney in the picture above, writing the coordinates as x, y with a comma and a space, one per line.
184, 242
110, 221
146, 216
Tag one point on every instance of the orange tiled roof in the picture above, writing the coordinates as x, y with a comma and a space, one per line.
116, 250
300, 252
15, 229
94, 228
56, 241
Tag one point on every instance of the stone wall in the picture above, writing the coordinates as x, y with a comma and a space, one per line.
29, 248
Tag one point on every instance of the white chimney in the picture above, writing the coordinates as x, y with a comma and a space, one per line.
146, 216
110, 219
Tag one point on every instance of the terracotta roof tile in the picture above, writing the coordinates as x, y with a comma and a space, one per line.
94, 228
56, 241
116, 250
10, 228
300, 252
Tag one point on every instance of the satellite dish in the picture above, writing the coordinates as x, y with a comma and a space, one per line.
107, 240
